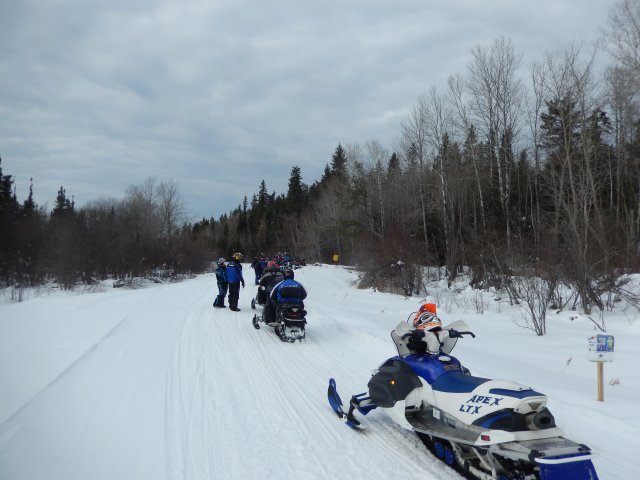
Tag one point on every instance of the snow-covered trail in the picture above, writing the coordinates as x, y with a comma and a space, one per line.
157, 384
240, 403
173, 388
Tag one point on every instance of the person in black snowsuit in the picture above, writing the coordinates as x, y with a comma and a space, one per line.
223, 284
257, 266
271, 277
234, 277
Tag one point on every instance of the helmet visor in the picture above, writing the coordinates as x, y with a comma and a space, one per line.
426, 321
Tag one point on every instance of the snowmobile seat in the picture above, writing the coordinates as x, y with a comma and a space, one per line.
291, 310
455, 382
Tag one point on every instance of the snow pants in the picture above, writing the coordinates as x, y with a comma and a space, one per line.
234, 293
222, 291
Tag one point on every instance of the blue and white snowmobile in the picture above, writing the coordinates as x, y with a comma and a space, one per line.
288, 323
282, 307
486, 429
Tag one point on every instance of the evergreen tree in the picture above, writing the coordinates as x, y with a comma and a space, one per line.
243, 216
339, 163
393, 169
64, 242
7, 193
63, 207
29, 205
326, 175
295, 193
254, 215
263, 198
9, 247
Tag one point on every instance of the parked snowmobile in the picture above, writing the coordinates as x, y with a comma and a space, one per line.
289, 322
289, 318
486, 429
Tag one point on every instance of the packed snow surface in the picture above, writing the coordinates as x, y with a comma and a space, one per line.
155, 383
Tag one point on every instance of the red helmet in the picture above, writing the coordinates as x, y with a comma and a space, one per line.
427, 307
271, 264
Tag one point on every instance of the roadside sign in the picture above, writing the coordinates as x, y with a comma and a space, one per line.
600, 351
601, 348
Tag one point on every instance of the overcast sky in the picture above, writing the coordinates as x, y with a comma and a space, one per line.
219, 94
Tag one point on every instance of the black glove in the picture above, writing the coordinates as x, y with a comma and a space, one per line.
415, 343
417, 334
243, 284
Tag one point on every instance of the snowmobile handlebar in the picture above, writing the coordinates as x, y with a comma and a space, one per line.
453, 333
456, 334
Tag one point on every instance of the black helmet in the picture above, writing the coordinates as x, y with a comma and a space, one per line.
288, 273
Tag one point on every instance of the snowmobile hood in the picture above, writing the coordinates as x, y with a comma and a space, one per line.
431, 367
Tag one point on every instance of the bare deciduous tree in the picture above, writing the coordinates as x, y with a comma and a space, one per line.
465, 126
572, 142
497, 103
172, 211
622, 36
536, 294
415, 131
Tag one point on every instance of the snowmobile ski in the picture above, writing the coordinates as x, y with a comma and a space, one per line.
336, 404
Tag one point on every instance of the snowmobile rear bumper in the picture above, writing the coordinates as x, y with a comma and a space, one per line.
571, 468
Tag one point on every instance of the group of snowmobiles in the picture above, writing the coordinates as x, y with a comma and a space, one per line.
484, 429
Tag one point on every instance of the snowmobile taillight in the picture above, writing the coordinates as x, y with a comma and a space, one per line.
485, 438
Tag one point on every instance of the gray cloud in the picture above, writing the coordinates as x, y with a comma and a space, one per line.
219, 95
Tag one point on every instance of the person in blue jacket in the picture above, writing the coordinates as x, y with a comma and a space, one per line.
234, 277
287, 291
221, 278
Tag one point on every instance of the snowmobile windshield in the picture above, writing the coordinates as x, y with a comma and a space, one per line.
447, 342
436, 341
397, 334
401, 337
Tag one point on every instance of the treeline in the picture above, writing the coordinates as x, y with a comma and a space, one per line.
143, 233
495, 176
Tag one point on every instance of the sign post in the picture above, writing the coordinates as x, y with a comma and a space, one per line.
600, 351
